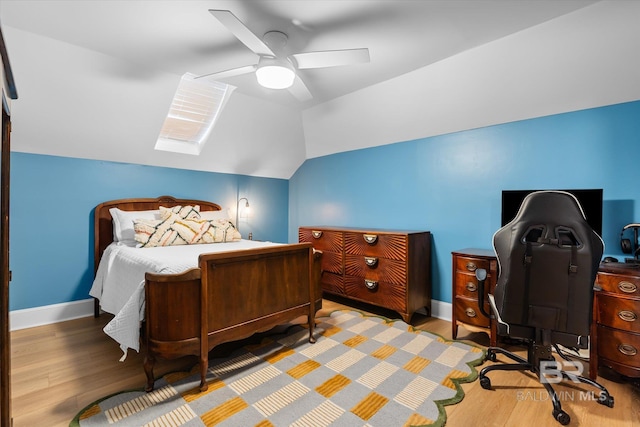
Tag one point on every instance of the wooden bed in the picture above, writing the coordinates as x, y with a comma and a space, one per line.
230, 295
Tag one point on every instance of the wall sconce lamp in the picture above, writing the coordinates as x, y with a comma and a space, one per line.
245, 211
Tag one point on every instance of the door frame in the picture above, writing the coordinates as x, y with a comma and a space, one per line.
7, 84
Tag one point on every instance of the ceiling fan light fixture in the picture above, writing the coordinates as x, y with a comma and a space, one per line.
275, 74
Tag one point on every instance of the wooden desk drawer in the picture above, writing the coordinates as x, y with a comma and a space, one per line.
619, 313
385, 294
391, 246
374, 268
618, 346
618, 284
470, 265
324, 240
467, 311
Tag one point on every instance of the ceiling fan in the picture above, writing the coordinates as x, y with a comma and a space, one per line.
275, 69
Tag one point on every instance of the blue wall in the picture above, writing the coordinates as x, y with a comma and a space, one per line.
451, 184
51, 216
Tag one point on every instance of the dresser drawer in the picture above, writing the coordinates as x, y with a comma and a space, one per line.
618, 346
618, 312
390, 246
470, 265
380, 293
467, 311
333, 283
623, 285
378, 269
324, 240
332, 262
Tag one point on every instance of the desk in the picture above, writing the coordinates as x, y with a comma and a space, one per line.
615, 330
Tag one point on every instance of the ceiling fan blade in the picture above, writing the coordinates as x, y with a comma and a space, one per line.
331, 58
230, 73
242, 33
299, 90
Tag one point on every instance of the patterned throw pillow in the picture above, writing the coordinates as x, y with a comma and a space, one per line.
175, 230
184, 212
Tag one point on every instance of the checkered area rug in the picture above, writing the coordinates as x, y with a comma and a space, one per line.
362, 371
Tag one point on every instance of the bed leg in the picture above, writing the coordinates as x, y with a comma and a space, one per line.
149, 361
312, 325
204, 367
96, 308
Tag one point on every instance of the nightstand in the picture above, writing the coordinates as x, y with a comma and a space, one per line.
465, 310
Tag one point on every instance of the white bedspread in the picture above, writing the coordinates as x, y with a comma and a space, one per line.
119, 282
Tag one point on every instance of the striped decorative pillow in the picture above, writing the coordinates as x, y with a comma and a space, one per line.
175, 230
184, 212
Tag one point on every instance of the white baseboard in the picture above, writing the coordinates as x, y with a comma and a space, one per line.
38, 316
441, 310
45, 315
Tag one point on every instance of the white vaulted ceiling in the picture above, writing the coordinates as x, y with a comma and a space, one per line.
95, 78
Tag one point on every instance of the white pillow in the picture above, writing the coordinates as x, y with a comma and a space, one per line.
213, 215
123, 231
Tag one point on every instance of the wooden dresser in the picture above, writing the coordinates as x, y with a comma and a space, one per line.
615, 331
465, 310
387, 268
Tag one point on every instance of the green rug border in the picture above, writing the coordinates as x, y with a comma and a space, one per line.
442, 413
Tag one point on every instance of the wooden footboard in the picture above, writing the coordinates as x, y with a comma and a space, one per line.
231, 296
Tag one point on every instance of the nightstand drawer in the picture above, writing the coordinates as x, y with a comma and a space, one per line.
379, 269
619, 313
391, 246
381, 293
467, 286
618, 346
470, 265
467, 311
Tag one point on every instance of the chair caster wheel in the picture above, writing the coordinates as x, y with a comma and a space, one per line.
561, 417
485, 383
606, 399
492, 356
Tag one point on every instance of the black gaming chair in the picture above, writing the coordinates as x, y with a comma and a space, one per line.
548, 257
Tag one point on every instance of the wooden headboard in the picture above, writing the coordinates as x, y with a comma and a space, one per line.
103, 223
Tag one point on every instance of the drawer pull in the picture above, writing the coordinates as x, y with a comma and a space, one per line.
627, 287
316, 234
370, 284
627, 316
370, 261
471, 266
370, 238
627, 349
470, 312
471, 287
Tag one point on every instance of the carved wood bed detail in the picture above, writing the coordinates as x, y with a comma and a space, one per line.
103, 222
230, 295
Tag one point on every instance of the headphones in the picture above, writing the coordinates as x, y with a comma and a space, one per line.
625, 244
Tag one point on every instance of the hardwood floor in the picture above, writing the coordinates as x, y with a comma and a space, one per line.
59, 369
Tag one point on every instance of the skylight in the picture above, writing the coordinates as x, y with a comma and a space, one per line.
193, 113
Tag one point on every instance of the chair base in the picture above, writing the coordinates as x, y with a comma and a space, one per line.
536, 355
